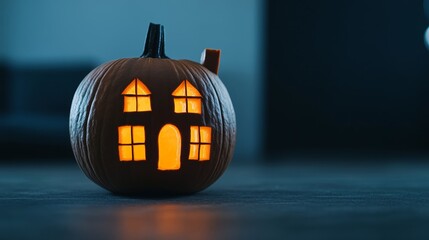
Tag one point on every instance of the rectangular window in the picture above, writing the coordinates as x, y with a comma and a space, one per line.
143, 104
130, 104
200, 143
194, 105
180, 105
131, 141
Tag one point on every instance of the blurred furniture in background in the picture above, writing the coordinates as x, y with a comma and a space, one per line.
34, 108
49, 31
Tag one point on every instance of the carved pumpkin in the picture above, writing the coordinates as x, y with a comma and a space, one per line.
153, 124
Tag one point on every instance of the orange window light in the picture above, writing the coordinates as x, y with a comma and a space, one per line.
200, 143
187, 99
131, 141
136, 97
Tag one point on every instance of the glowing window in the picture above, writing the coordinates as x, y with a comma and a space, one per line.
131, 141
200, 143
187, 99
136, 97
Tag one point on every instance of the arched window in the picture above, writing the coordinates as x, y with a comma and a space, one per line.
187, 99
136, 97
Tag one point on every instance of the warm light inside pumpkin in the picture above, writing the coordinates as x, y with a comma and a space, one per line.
131, 143
187, 99
200, 143
136, 97
169, 145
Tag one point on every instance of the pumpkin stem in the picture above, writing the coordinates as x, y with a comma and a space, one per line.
154, 47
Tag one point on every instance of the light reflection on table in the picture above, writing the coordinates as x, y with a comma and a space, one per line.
152, 221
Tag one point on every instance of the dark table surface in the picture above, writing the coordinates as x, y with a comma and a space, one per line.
388, 200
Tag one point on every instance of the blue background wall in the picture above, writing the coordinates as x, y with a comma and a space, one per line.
50, 31
349, 77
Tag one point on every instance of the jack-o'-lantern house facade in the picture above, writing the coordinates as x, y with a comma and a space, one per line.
163, 125
152, 124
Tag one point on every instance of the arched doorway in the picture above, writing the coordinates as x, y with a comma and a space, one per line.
169, 148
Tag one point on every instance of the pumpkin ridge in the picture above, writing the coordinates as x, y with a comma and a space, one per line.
88, 119
120, 63
217, 86
215, 173
74, 117
180, 71
218, 168
186, 68
82, 145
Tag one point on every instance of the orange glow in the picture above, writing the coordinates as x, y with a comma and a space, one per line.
200, 143
130, 104
193, 152
180, 90
204, 152
187, 99
139, 152
180, 105
186, 89
131, 141
205, 134
191, 91
124, 133
169, 147
164, 221
194, 105
194, 134
143, 104
141, 88
125, 153
138, 134
130, 89
137, 97
136, 87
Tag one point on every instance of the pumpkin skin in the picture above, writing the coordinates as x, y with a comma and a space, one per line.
98, 110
